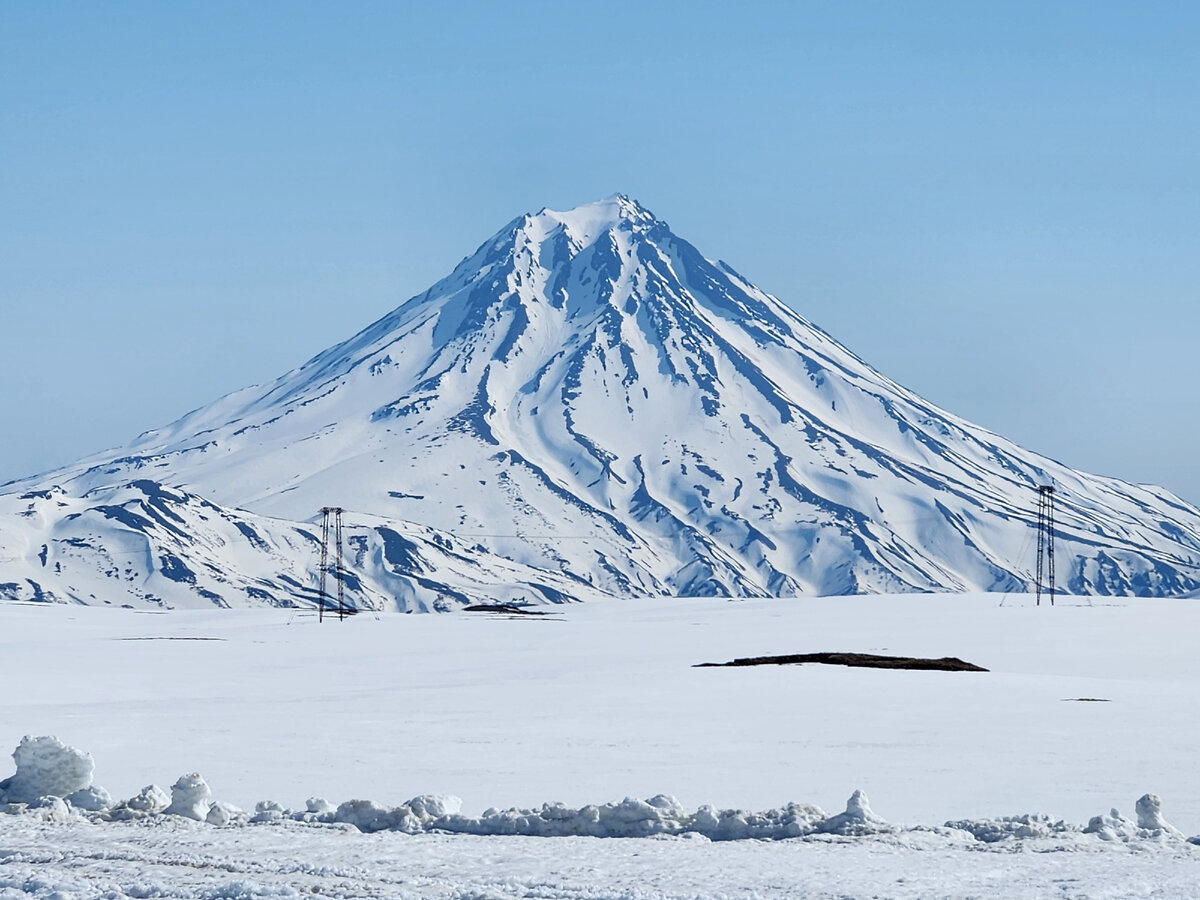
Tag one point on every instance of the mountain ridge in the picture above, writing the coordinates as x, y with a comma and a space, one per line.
588, 397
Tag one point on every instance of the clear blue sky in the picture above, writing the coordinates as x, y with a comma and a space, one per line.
996, 204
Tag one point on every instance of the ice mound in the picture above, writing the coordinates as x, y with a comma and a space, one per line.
659, 815
190, 797
150, 801
792, 820
222, 814
318, 806
53, 781
53, 809
415, 816
857, 820
1150, 826
1149, 814
434, 806
46, 767
630, 817
1005, 828
267, 811
368, 816
1112, 827
90, 799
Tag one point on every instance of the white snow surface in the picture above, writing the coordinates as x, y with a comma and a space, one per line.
178, 858
981, 784
585, 406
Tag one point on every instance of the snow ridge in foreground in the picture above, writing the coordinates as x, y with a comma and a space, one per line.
54, 781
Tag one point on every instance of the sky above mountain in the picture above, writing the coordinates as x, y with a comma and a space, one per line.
995, 206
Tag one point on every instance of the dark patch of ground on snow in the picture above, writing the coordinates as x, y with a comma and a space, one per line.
507, 609
170, 639
856, 660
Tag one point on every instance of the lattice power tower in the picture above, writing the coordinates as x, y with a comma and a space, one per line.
1045, 542
336, 513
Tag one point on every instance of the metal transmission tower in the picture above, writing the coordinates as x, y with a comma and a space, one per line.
336, 512
1045, 541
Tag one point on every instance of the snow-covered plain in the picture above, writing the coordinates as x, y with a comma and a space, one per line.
600, 701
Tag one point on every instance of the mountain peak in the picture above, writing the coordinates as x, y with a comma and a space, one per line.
585, 223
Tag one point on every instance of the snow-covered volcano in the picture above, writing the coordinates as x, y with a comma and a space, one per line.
585, 405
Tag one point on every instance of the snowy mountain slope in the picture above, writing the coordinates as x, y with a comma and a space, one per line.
588, 397
142, 544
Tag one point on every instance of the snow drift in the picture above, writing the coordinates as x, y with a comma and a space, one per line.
45, 766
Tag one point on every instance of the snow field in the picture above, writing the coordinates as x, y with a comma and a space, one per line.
547, 718
600, 701
178, 858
